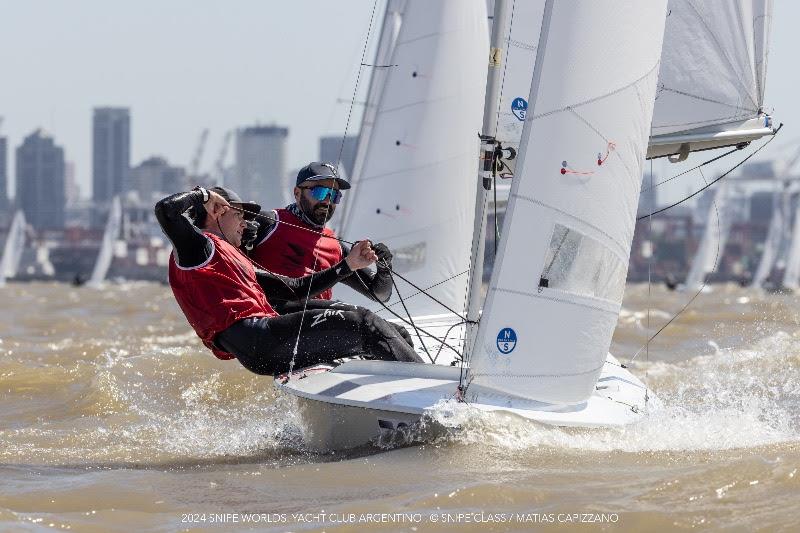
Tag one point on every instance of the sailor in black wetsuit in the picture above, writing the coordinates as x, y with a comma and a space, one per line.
224, 297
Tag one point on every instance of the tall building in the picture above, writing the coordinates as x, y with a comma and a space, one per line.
261, 165
111, 152
3, 175
40, 181
331, 147
154, 178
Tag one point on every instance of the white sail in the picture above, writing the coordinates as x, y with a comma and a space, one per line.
415, 189
392, 20
557, 287
712, 79
776, 236
13, 248
712, 243
791, 276
524, 19
106, 254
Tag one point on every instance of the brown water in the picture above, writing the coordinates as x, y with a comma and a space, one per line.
115, 418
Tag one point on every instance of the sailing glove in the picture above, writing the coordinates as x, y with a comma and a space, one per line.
384, 256
249, 234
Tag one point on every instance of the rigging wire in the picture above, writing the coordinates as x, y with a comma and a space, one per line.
740, 163
338, 162
696, 294
345, 241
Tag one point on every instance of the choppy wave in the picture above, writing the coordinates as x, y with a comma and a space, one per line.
117, 377
735, 398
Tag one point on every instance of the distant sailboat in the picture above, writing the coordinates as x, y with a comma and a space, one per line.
715, 237
106, 254
14, 246
777, 235
791, 276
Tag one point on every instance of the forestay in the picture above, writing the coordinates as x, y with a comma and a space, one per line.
381, 67
557, 285
415, 190
715, 236
712, 79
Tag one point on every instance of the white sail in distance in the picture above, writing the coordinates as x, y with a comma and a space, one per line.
791, 276
557, 286
713, 74
13, 248
110, 234
712, 243
776, 235
415, 190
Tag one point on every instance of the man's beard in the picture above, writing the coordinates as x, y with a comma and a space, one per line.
321, 214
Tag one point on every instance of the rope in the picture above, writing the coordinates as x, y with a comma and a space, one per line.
345, 241
740, 163
431, 335
338, 163
702, 286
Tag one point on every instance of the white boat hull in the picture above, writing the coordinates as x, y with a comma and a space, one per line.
354, 403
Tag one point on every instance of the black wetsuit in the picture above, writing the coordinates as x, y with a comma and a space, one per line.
265, 345
375, 286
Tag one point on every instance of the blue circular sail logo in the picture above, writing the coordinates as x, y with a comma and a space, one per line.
506, 340
519, 107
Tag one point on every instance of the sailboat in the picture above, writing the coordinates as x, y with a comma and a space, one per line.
577, 227
13, 248
106, 254
540, 347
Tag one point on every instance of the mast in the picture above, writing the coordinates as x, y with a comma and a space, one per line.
485, 164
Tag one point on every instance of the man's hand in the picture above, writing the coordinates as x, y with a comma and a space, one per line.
360, 256
216, 206
384, 256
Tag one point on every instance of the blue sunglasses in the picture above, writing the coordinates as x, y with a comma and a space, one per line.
319, 193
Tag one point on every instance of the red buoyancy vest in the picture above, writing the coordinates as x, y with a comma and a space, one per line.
221, 291
292, 251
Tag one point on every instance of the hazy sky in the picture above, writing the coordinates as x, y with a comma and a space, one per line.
185, 65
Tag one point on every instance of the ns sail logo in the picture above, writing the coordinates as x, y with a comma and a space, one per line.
506, 340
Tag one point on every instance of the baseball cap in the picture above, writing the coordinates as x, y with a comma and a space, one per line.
251, 209
321, 171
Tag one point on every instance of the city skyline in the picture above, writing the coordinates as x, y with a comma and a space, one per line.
259, 68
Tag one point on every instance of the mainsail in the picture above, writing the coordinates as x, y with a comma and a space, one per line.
711, 79
715, 236
557, 286
413, 189
110, 235
381, 67
13, 248
713, 71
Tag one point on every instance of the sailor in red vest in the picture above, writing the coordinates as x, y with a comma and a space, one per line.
225, 300
294, 241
